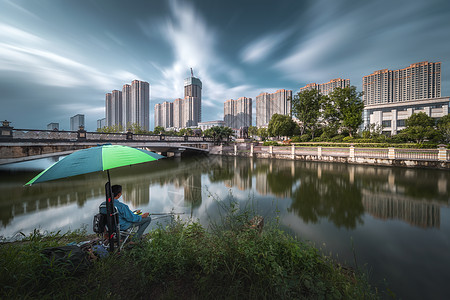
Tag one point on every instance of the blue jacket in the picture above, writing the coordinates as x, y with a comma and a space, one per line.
126, 216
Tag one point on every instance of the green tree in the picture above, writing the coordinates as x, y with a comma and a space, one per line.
343, 109
262, 133
280, 125
443, 126
252, 131
419, 127
136, 128
306, 107
159, 130
111, 129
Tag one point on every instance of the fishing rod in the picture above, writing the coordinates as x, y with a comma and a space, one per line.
160, 214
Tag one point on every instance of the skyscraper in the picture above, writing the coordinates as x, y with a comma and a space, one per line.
185, 112
126, 105
117, 114
238, 113
76, 121
140, 103
131, 105
164, 114
267, 105
178, 106
109, 110
193, 101
328, 87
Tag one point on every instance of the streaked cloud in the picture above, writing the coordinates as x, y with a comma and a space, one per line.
261, 48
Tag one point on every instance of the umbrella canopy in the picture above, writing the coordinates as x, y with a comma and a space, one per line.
94, 159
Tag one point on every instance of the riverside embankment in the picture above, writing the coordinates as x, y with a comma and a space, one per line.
397, 157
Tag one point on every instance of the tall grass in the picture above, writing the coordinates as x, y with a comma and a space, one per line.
186, 260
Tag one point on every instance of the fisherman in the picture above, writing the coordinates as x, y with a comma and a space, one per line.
126, 217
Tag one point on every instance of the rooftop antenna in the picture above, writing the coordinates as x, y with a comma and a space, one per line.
192, 73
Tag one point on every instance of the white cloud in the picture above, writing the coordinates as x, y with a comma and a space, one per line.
261, 48
194, 46
304, 61
25, 52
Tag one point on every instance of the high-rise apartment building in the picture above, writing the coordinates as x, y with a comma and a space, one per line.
390, 97
328, 87
117, 114
185, 112
129, 106
267, 105
238, 113
164, 114
178, 113
418, 81
140, 104
76, 121
126, 105
109, 110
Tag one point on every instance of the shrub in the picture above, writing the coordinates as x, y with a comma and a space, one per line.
270, 143
338, 138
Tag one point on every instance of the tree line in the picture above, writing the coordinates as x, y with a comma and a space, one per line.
338, 117
218, 133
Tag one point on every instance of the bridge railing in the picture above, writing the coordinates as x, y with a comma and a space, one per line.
33, 134
439, 154
44, 134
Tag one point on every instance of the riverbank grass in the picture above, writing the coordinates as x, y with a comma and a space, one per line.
184, 260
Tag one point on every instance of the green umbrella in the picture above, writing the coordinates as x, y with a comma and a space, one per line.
94, 159
101, 158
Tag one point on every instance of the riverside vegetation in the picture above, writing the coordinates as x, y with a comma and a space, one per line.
183, 259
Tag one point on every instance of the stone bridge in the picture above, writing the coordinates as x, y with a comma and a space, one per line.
17, 145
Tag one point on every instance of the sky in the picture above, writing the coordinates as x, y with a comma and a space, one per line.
60, 58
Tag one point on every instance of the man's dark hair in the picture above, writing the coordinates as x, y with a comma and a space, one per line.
116, 189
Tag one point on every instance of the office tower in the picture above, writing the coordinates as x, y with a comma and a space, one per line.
328, 87
109, 110
126, 105
238, 113
418, 81
140, 104
53, 126
390, 97
76, 121
269, 104
192, 108
164, 114
101, 123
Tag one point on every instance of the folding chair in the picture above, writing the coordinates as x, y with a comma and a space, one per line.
101, 228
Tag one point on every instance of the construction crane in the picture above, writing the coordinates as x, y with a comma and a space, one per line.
192, 73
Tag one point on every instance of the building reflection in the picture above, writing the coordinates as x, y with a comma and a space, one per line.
338, 193
416, 213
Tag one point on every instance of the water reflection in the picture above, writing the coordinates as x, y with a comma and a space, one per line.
339, 193
388, 212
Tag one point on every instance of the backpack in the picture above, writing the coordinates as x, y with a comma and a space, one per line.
99, 223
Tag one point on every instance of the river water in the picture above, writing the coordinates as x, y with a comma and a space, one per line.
393, 221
